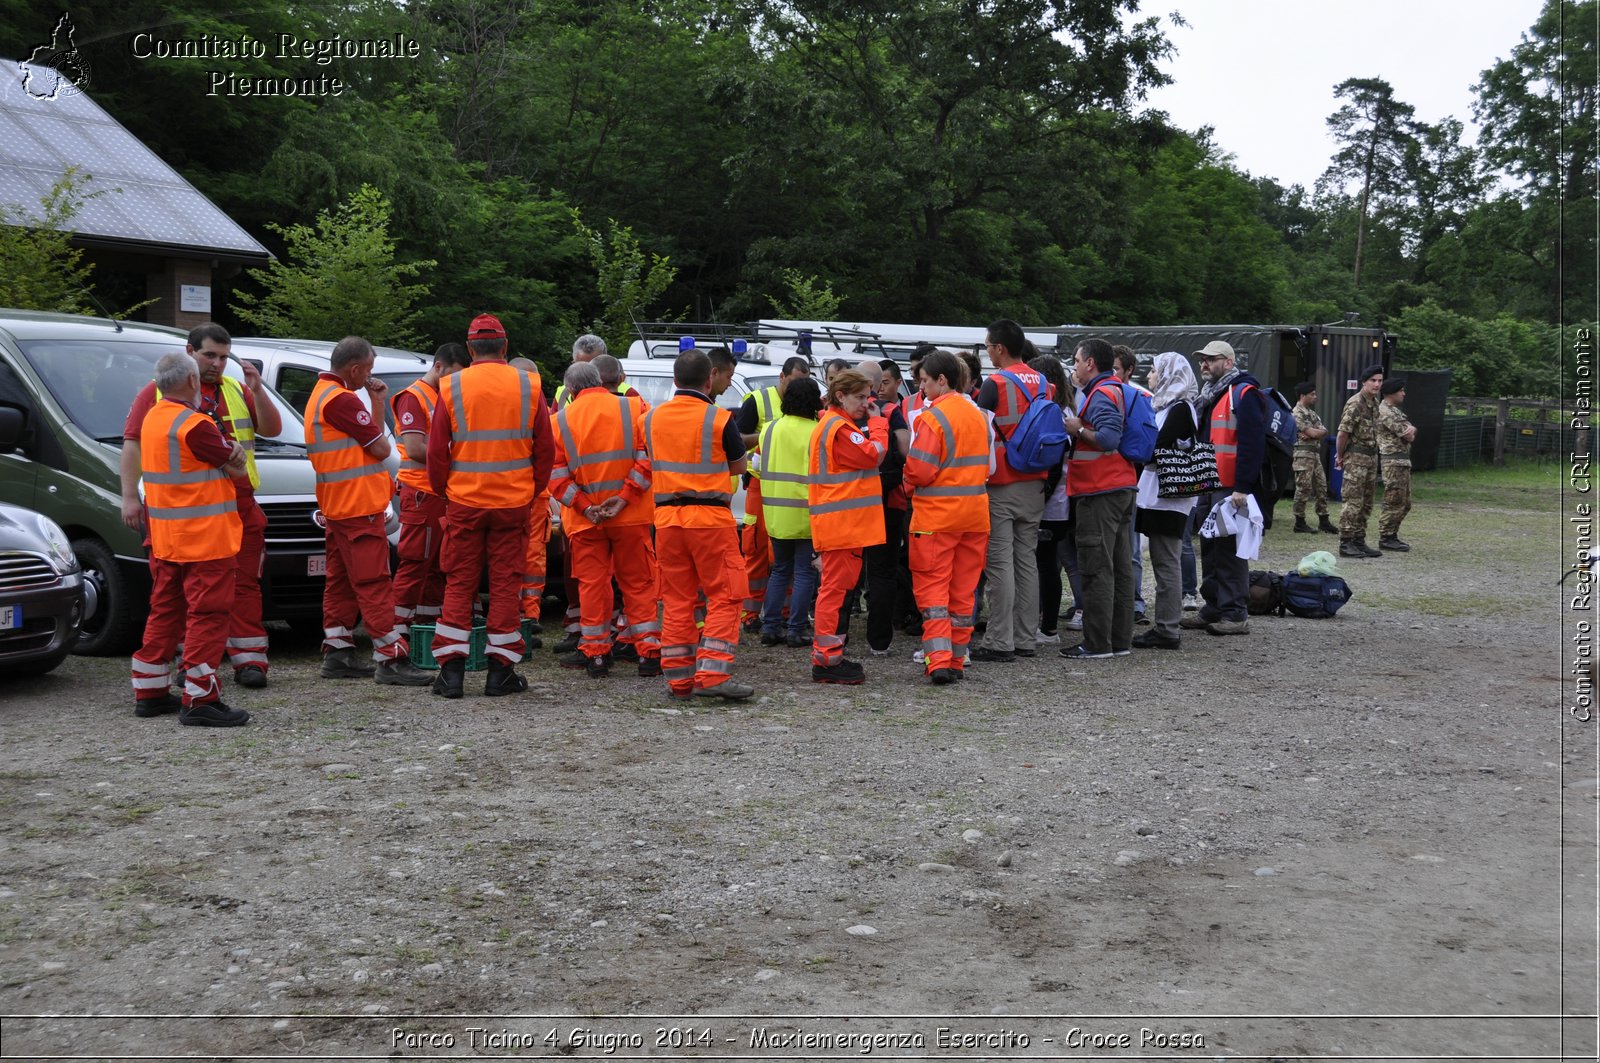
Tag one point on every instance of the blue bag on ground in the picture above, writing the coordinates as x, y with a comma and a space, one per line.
1314, 597
1039, 441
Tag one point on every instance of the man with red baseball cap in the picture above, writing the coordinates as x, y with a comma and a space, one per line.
489, 454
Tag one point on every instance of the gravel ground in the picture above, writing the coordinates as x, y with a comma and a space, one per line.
1305, 841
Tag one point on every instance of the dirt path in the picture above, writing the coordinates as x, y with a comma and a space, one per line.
1337, 827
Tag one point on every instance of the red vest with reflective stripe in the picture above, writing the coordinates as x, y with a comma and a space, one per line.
193, 508
413, 473
846, 504
490, 406
1224, 435
602, 435
1010, 404
953, 437
688, 464
350, 482
1090, 471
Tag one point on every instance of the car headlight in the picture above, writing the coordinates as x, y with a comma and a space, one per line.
57, 548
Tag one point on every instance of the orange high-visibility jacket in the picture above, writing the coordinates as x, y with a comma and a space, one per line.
845, 494
1224, 436
948, 466
600, 453
193, 507
490, 408
688, 463
414, 473
350, 482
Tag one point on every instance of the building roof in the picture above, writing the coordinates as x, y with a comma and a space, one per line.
48, 124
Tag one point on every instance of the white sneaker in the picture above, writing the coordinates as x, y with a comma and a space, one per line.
1075, 624
1047, 638
918, 657
1191, 602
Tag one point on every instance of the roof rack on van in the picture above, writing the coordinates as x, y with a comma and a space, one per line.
660, 339
825, 341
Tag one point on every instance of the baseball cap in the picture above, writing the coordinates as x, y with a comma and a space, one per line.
486, 327
1216, 349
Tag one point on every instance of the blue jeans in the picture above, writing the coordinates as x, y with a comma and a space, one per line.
792, 581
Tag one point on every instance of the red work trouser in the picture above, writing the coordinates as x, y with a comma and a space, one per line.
840, 571
691, 560
623, 550
535, 564
189, 603
358, 583
945, 567
419, 581
472, 537
247, 638
757, 553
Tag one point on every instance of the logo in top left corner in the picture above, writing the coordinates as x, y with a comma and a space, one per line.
56, 70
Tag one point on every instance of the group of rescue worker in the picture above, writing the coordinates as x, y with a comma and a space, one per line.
658, 575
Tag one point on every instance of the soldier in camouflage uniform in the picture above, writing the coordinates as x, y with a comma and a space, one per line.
1310, 482
1395, 433
1357, 456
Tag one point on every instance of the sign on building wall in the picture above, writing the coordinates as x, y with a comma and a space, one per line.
194, 298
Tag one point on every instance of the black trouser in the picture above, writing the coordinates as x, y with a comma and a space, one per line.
884, 581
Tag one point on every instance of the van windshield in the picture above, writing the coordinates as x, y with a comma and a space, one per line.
95, 380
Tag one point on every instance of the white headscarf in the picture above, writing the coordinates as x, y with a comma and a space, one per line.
1174, 379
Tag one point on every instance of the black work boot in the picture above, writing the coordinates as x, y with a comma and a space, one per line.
502, 680
1350, 548
1300, 525
1326, 525
452, 673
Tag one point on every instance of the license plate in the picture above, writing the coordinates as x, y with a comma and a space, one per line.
10, 617
317, 565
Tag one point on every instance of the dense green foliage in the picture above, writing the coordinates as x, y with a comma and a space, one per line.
914, 160
39, 267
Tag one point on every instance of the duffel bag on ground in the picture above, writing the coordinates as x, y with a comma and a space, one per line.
1314, 597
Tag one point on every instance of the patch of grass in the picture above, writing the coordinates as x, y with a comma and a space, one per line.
1436, 604
1518, 484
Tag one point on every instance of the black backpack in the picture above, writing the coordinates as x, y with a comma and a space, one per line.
1313, 597
1266, 594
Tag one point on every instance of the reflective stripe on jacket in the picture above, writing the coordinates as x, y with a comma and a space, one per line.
193, 507
350, 482
414, 473
1091, 471
1010, 404
1224, 435
600, 453
688, 463
489, 407
846, 499
241, 429
947, 467
786, 455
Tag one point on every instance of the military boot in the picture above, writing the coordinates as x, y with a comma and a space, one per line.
1350, 548
1300, 525
452, 674
1326, 525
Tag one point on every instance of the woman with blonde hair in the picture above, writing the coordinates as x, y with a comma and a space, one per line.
846, 503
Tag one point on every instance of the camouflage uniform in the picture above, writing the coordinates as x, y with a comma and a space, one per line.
1395, 454
1310, 482
1360, 422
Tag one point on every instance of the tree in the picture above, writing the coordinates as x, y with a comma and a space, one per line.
810, 298
39, 267
1375, 134
343, 280
628, 283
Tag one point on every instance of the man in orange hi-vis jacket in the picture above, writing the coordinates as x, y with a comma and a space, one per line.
602, 480
695, 449
950, 461
846, 503
489, 454
195, 532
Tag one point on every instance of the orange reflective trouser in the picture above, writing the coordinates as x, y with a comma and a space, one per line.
247, 639
757, 553
840, 571
626, 551
358, 584
419, 581
945, 567
538, 539
201, 626
691, 559
473, 536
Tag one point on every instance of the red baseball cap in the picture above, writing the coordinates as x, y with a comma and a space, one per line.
486, 327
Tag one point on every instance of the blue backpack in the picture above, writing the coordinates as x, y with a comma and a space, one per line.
1314, 597
1282, 432
1138, 443
1039, 441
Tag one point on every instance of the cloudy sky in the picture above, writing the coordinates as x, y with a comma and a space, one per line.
1261, 72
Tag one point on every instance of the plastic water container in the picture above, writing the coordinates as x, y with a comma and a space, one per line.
422, 647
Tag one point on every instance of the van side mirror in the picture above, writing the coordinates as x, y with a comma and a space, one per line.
13, 426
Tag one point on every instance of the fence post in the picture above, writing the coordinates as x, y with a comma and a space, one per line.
1501, 416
